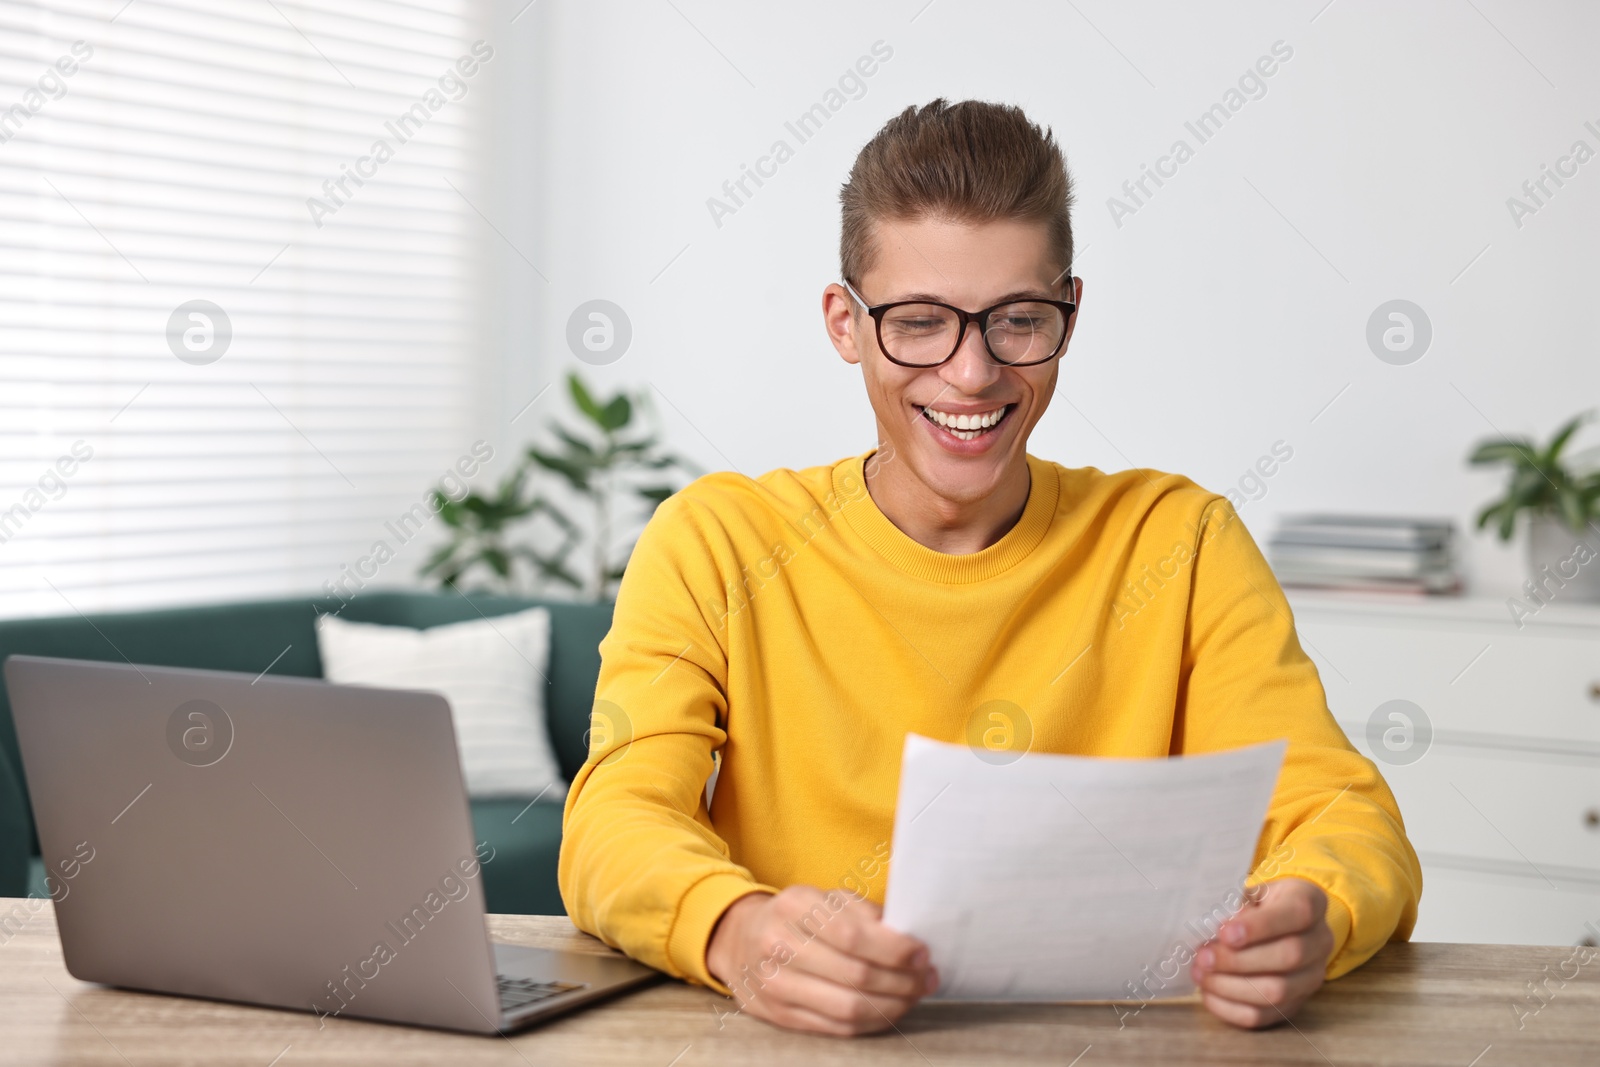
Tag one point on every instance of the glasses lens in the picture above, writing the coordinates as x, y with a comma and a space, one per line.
919, 334
1028, 331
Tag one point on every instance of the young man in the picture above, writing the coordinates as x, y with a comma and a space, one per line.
802, 623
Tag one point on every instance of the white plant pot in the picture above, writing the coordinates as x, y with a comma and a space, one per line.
1563, 564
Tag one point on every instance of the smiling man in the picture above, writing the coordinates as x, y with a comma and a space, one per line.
790, 630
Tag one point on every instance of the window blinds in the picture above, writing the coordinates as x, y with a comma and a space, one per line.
237, 303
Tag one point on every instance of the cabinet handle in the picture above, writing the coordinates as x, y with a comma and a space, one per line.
1594, 691
1591, 818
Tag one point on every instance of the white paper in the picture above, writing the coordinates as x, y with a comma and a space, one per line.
1067, 877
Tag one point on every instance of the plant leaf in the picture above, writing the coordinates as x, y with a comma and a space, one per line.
1530, 488
1574, 509
1508, 523
576, 443
449, 511
616, 414
554, 567
582, 397
655, 493
1553, 451
1517, 450
437, 557
572, 470
497, 561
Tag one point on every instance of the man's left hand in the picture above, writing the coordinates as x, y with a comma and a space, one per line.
1269, 958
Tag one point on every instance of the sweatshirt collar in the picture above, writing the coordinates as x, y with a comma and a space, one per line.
920, 561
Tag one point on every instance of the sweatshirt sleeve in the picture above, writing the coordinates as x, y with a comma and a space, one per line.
641, 866
1333, 820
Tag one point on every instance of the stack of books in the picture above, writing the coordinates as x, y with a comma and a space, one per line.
1367, 553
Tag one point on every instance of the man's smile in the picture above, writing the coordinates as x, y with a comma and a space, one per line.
967, 425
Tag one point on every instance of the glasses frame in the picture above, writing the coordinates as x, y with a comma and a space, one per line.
1068, 308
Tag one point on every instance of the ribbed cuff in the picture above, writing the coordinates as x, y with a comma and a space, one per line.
1339, 921
698, 913
1337, 917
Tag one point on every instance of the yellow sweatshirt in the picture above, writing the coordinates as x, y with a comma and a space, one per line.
785, 623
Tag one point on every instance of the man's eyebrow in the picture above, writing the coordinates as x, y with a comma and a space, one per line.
1020, 294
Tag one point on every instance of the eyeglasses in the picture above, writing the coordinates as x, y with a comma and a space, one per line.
923, 333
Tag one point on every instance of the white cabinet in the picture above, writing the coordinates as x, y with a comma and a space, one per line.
1489, 735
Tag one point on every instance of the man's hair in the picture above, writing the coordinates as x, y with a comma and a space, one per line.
971, 161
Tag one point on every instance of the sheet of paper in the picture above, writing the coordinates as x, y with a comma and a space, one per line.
1067, 877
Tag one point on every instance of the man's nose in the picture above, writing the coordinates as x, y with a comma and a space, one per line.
971, 370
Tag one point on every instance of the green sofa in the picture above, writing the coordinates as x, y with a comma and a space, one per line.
246, 636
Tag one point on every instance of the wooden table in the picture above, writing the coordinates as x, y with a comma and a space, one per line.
1412, 1004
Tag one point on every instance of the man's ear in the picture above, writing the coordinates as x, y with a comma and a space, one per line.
838, 318
1076, 296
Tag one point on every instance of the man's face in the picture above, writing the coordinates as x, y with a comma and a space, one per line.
971, 266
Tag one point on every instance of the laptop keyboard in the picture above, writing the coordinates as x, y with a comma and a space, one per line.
518, 993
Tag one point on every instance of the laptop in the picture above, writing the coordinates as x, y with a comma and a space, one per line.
275, 841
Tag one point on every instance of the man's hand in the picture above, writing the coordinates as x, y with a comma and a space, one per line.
1269, 958
809, 960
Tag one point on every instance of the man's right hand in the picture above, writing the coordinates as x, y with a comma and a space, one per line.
824, 962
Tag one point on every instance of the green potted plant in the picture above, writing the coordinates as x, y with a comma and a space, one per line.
607, 460
1560, 495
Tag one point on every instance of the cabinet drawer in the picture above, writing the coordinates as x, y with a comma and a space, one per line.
1531, 814
1466, 906
1481, 680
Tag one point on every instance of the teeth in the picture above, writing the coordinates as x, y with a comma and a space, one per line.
966, 427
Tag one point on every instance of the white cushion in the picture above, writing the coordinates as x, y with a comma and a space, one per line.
491, 670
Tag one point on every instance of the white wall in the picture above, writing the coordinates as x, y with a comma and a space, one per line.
1222, 316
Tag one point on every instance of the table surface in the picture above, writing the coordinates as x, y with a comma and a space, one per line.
1411, 1004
